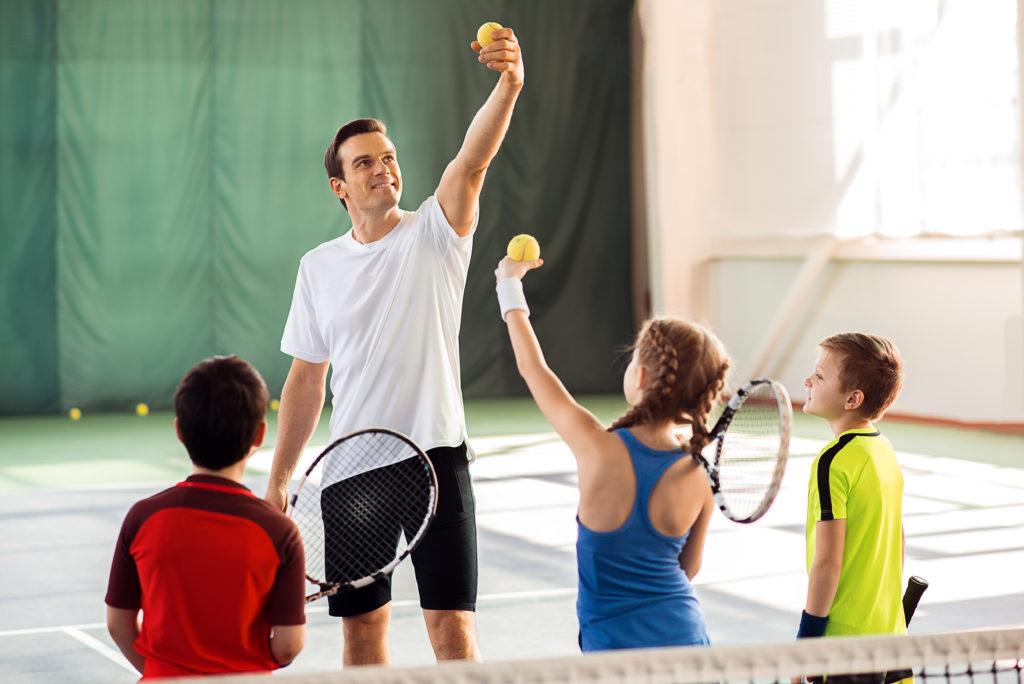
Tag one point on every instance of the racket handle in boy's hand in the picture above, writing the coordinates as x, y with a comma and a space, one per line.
915, 588
749, 446
364, 495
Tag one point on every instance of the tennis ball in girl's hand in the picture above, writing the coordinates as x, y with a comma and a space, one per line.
483, 34
523, 248
274, 404
141, 410
75, 413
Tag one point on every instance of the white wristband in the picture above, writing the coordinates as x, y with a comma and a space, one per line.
511, 297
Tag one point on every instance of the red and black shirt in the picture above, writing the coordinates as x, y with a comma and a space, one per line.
213, 568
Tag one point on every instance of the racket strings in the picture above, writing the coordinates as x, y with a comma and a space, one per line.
356, 503
749, 467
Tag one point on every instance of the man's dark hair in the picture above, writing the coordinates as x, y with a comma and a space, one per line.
220, 404
332, 163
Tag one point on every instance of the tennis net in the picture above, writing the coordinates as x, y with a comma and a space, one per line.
983, 656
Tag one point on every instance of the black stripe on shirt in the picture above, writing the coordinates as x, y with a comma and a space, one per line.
824, 463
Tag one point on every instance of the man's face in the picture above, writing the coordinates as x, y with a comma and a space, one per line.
373, 180
825, 396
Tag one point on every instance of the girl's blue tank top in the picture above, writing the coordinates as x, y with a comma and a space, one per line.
632, 592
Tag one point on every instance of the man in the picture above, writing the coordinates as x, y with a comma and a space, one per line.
382, 306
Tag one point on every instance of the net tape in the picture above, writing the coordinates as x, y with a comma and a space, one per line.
983, 655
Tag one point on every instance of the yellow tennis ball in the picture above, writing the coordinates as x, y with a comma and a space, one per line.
483, 34
523, 248
75, 413
141, 410
274, 404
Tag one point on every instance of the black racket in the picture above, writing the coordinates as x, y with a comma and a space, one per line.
915, 588
361, 508
746, 457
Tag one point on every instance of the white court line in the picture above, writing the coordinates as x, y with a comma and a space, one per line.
100, 647
155, 485
76, 630
50, 630
483, 598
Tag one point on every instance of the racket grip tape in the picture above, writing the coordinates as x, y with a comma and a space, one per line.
915, 588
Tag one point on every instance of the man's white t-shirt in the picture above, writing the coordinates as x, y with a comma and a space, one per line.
387, 316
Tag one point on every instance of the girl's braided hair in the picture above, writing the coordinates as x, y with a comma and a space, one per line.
687, 366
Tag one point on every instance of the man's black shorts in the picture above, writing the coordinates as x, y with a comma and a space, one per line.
445, 561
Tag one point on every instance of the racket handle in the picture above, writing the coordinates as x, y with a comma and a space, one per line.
915, 587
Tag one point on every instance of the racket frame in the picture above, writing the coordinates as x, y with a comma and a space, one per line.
718, 434
331, 588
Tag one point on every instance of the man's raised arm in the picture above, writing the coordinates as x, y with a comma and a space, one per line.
459, 190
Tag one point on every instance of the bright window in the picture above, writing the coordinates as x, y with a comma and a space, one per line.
925, 117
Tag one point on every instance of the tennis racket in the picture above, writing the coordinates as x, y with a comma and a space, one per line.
915, 588
748, 450
361, 508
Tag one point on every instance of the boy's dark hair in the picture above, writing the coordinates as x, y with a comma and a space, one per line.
220, 404
871, 364
353, 128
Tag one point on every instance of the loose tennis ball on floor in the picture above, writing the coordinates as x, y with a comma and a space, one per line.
483, 34
75, 413
274, 404
141, 410
523, 248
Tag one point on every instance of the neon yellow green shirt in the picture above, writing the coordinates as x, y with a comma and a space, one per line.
856, 478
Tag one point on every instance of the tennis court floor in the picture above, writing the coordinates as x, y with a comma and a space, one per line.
964, 516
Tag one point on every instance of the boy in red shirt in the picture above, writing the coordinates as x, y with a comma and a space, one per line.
218, 573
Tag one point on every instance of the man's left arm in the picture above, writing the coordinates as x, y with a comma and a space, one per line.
463, 179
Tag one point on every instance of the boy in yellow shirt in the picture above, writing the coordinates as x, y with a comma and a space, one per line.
855, 493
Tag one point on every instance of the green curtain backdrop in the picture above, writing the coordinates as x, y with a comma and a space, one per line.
161, 175
28, 208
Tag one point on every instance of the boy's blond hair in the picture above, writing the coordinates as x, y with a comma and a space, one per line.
871, 364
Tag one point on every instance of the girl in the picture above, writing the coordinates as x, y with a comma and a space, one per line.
644, 507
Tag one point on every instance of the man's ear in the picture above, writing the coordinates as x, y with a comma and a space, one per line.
339, 188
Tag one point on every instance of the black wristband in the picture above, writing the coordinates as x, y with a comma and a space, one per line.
811, 626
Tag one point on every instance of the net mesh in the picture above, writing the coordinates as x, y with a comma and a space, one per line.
982, 657
361, 505
752, 454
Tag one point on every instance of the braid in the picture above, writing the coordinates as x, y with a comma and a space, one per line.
686, 367
663, 382
630, 417
665, 373
701, 437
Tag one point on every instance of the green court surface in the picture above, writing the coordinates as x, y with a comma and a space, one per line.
123, 449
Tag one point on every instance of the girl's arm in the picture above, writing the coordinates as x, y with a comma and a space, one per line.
575, 424
693, 549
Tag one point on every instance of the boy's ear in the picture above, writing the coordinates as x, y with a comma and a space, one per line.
854, 400
261, 433
177, 431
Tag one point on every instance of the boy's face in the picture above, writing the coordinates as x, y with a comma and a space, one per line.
825, 396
